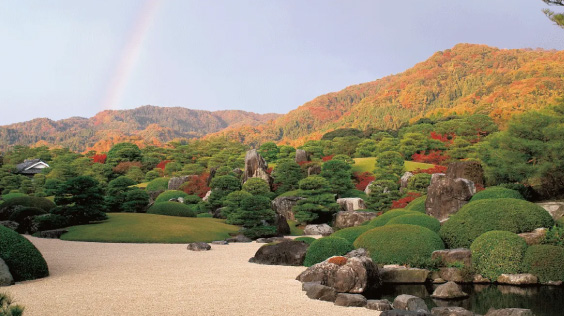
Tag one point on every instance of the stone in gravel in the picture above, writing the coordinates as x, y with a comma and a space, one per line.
410, 303
449, 291
379, 305
219, 242
510, 312
54, 234
397, 312
239, 238
319, 229
518, 279
321, 292
450, 256
6, 278
307, 285
198, 246
451, 311
350, 300
290, 253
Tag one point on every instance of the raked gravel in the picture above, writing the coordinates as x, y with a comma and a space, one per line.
164, 279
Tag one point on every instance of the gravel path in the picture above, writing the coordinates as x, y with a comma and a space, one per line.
164, 279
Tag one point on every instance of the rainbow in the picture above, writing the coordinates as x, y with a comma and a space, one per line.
130, 54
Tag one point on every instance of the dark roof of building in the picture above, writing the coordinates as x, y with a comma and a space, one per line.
25, 167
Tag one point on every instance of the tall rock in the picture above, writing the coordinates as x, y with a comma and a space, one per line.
255, 167
445, 195
283, 205
470, 170
301, 156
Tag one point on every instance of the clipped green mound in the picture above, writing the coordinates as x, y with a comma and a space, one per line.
8, 207
384, 218
171, 194
351, 233
307, 240
159, 184
326, 247
497, 193
478, 217
9, 196
417, 205
399, 244
419, 220
545, 261
497, 252
171, 209
23, 259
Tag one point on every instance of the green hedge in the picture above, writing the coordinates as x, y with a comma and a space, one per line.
478, 217
50, 221
419, 220
384, 218
159, 184
351, 233
417, 205
171, 194
23, 259
545, 261
497, 252
8, 207
496, 193
326, 247
400, 244
171, 209
307, 240
24, 217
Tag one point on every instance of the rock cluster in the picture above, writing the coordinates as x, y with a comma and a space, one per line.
290, 253
445, 195
352, 218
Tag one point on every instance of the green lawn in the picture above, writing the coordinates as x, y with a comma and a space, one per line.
367, 164
151, 228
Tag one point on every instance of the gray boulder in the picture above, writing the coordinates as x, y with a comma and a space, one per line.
367, 190
471, 170
239, 238
397, 312
301, 156
283, 205
518, 279
403, 275
318, 229
555, 209
479, 279
453, 274
451, 311
379, 305
404, 180
351, 219
255, 167
238, 172
282, 226
445, 196
10, 224
6, 278
351, 204
510, 312
536, 237
350, 300
449, 291
321, 292
220, 242
198, 246
450, 256
288, 253
207, 196
176, 182
313, 170
307, 285
410, 303
54, 233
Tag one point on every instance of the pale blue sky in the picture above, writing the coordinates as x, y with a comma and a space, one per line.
74, 58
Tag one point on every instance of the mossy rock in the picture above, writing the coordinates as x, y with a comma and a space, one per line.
172, 209
498, 252
351, 233
496, 193
384, 218
545, 261
476, 218
417, 219
417, 205
23, 259
399, 243
326, 247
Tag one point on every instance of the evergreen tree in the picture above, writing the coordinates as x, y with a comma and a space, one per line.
338, 174
136, 200
81, 199
116, 193
287, 174
318, 204
221, 186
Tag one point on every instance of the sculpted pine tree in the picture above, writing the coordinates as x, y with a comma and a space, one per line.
557, 18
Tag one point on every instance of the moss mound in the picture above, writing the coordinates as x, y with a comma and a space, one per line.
478, 217
497, 193
171, 209
307, 240
171, 194
419, 220
497, 252
545, 261
417, 205
351, 233
10, 206
384, 218
400, 243
23, 259
326, 247
9, 196
159, 184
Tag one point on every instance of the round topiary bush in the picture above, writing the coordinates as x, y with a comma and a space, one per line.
417, 205
171, 209
307, 240
545, 261
351, 233
23, 259
384, 218
9, 196
171, 194
419, 220
497, 252
496, 193
159, 184
10, 206
399, 244
478, 217
326, 247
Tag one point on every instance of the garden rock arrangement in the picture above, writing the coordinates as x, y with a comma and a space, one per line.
291, 253
471, 170
239, 238
445, 195
352, 218
403, 275
518, 279
410, 303
175, 182
301, 156
198, 246
535, 237
449, 291
350, 300
283, 205
255, 167
451, 256
379, 305
555, 209
318, 229
404, 180
54, 233
351, 204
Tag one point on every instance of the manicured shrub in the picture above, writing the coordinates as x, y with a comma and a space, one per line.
351, 233
10, 206
23, 259
497, 193
384, 218
159, 184
419, 220
307, 240
9, 196
497, 252
171, 209
24, 216
204, 215
50, 221
326, 247
478, 217
526, 191
417, 205
399, 244
171, 194
545, 261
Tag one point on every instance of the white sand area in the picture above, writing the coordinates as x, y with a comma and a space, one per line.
164, 279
